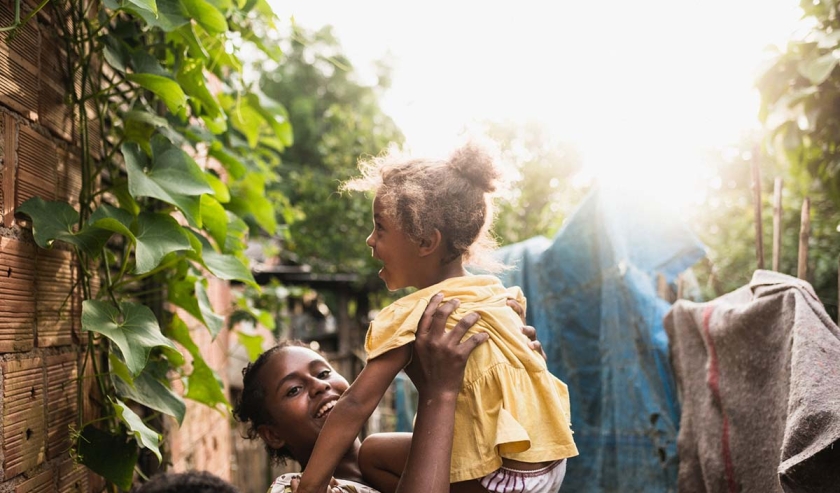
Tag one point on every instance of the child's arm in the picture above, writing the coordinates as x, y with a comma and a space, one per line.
349, 414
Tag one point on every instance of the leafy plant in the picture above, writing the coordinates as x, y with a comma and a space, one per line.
337, 119
800, 97
177, 149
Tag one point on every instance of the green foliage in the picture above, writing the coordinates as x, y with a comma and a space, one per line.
541, 191
336, 119
726, 225
800, 93
109, 454
163, 83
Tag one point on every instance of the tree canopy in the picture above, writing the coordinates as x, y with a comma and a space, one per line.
337, 119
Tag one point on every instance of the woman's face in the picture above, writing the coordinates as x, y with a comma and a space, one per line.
301, 389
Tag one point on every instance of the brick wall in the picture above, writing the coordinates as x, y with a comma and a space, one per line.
40, 339
40, 343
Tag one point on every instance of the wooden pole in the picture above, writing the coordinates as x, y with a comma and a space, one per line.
804, 234
759, 244
662, 288
680, 287
777, 222
838, 290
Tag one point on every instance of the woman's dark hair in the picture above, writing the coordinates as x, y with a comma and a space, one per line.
187, 482
250, 408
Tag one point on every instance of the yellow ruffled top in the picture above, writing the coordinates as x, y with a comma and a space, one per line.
510, 404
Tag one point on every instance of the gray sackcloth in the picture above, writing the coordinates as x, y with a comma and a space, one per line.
758, 373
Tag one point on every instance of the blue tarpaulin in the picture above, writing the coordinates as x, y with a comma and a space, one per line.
592, 297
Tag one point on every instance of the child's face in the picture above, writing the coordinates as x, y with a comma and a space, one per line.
389, 245
300, 390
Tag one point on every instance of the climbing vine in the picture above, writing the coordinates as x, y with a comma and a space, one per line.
176, 149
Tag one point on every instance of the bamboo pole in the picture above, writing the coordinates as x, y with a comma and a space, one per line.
804, 234
759, 244
662, 288
777, 222
680, 287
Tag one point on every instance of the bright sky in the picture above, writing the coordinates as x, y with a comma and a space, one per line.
640, 87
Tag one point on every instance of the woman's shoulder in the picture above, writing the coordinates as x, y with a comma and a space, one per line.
283, 485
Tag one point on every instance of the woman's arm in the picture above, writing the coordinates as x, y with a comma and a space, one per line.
347, 417
437, 370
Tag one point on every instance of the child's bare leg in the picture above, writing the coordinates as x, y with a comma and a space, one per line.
382, 459
471, 486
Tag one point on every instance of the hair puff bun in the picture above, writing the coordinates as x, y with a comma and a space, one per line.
477, 165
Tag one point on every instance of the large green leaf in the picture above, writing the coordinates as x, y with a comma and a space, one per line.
276, 116
149, 5
227, 267
115, 53
113, 219
190, 294
152, 393
237, 234
173, 177
56, 220
251, 343
186, 35
192, 80
817, 70
206, 15
170, 15
214, 218
166, 89
139, 126
132, 327
220, 190
232, 163
247, 120
157, 235
212, 320
146, 436
111, 456
50, 220
248, 198
202, 384
175, 170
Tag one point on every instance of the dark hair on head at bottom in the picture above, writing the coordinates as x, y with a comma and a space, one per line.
186, 482
250, 407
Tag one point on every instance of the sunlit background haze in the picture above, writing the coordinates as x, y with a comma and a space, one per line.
640, 88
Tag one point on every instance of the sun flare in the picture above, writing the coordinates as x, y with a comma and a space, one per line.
643, 89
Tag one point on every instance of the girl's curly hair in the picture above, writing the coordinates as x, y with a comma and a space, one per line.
250, 408
454, 196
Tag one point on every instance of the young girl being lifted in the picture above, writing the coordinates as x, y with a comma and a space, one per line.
512, 429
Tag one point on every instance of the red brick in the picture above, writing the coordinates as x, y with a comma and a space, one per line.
19, 63
9, 164
23, 415
69, 176
62, 406
57, 308
72, 478
53, 109
17, 295
43, 482
37, 161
